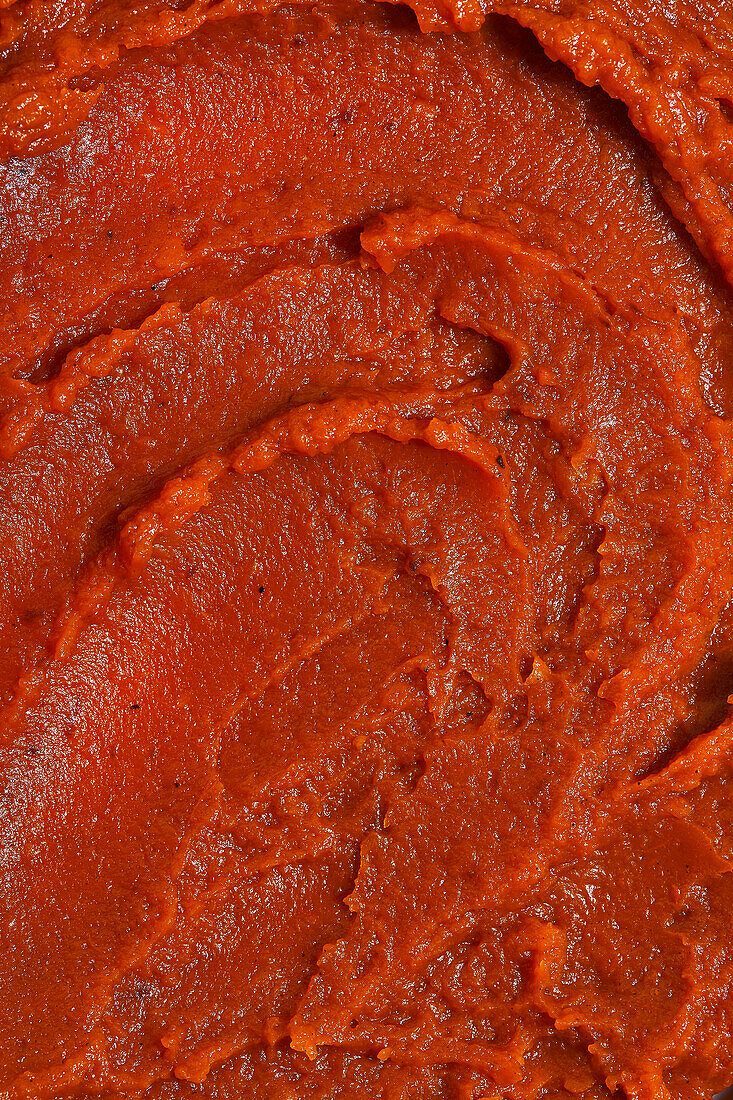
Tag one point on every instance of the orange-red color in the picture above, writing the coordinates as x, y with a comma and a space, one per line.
365, 550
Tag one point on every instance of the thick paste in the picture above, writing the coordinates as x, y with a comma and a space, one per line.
366, 564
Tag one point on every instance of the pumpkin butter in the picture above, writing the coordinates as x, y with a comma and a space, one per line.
366, 578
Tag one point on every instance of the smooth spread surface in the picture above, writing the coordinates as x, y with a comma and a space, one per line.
365, 550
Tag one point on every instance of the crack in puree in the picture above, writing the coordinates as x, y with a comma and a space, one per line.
366, 575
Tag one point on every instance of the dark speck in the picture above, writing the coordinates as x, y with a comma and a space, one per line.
500, 462
134, 706
18, 168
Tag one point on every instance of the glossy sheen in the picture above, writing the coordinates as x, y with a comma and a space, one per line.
365, 550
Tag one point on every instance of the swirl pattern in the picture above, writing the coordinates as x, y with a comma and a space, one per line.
365, 532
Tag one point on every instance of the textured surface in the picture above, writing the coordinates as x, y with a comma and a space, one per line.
365, 550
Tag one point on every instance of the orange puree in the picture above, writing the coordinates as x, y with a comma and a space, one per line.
366, 565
